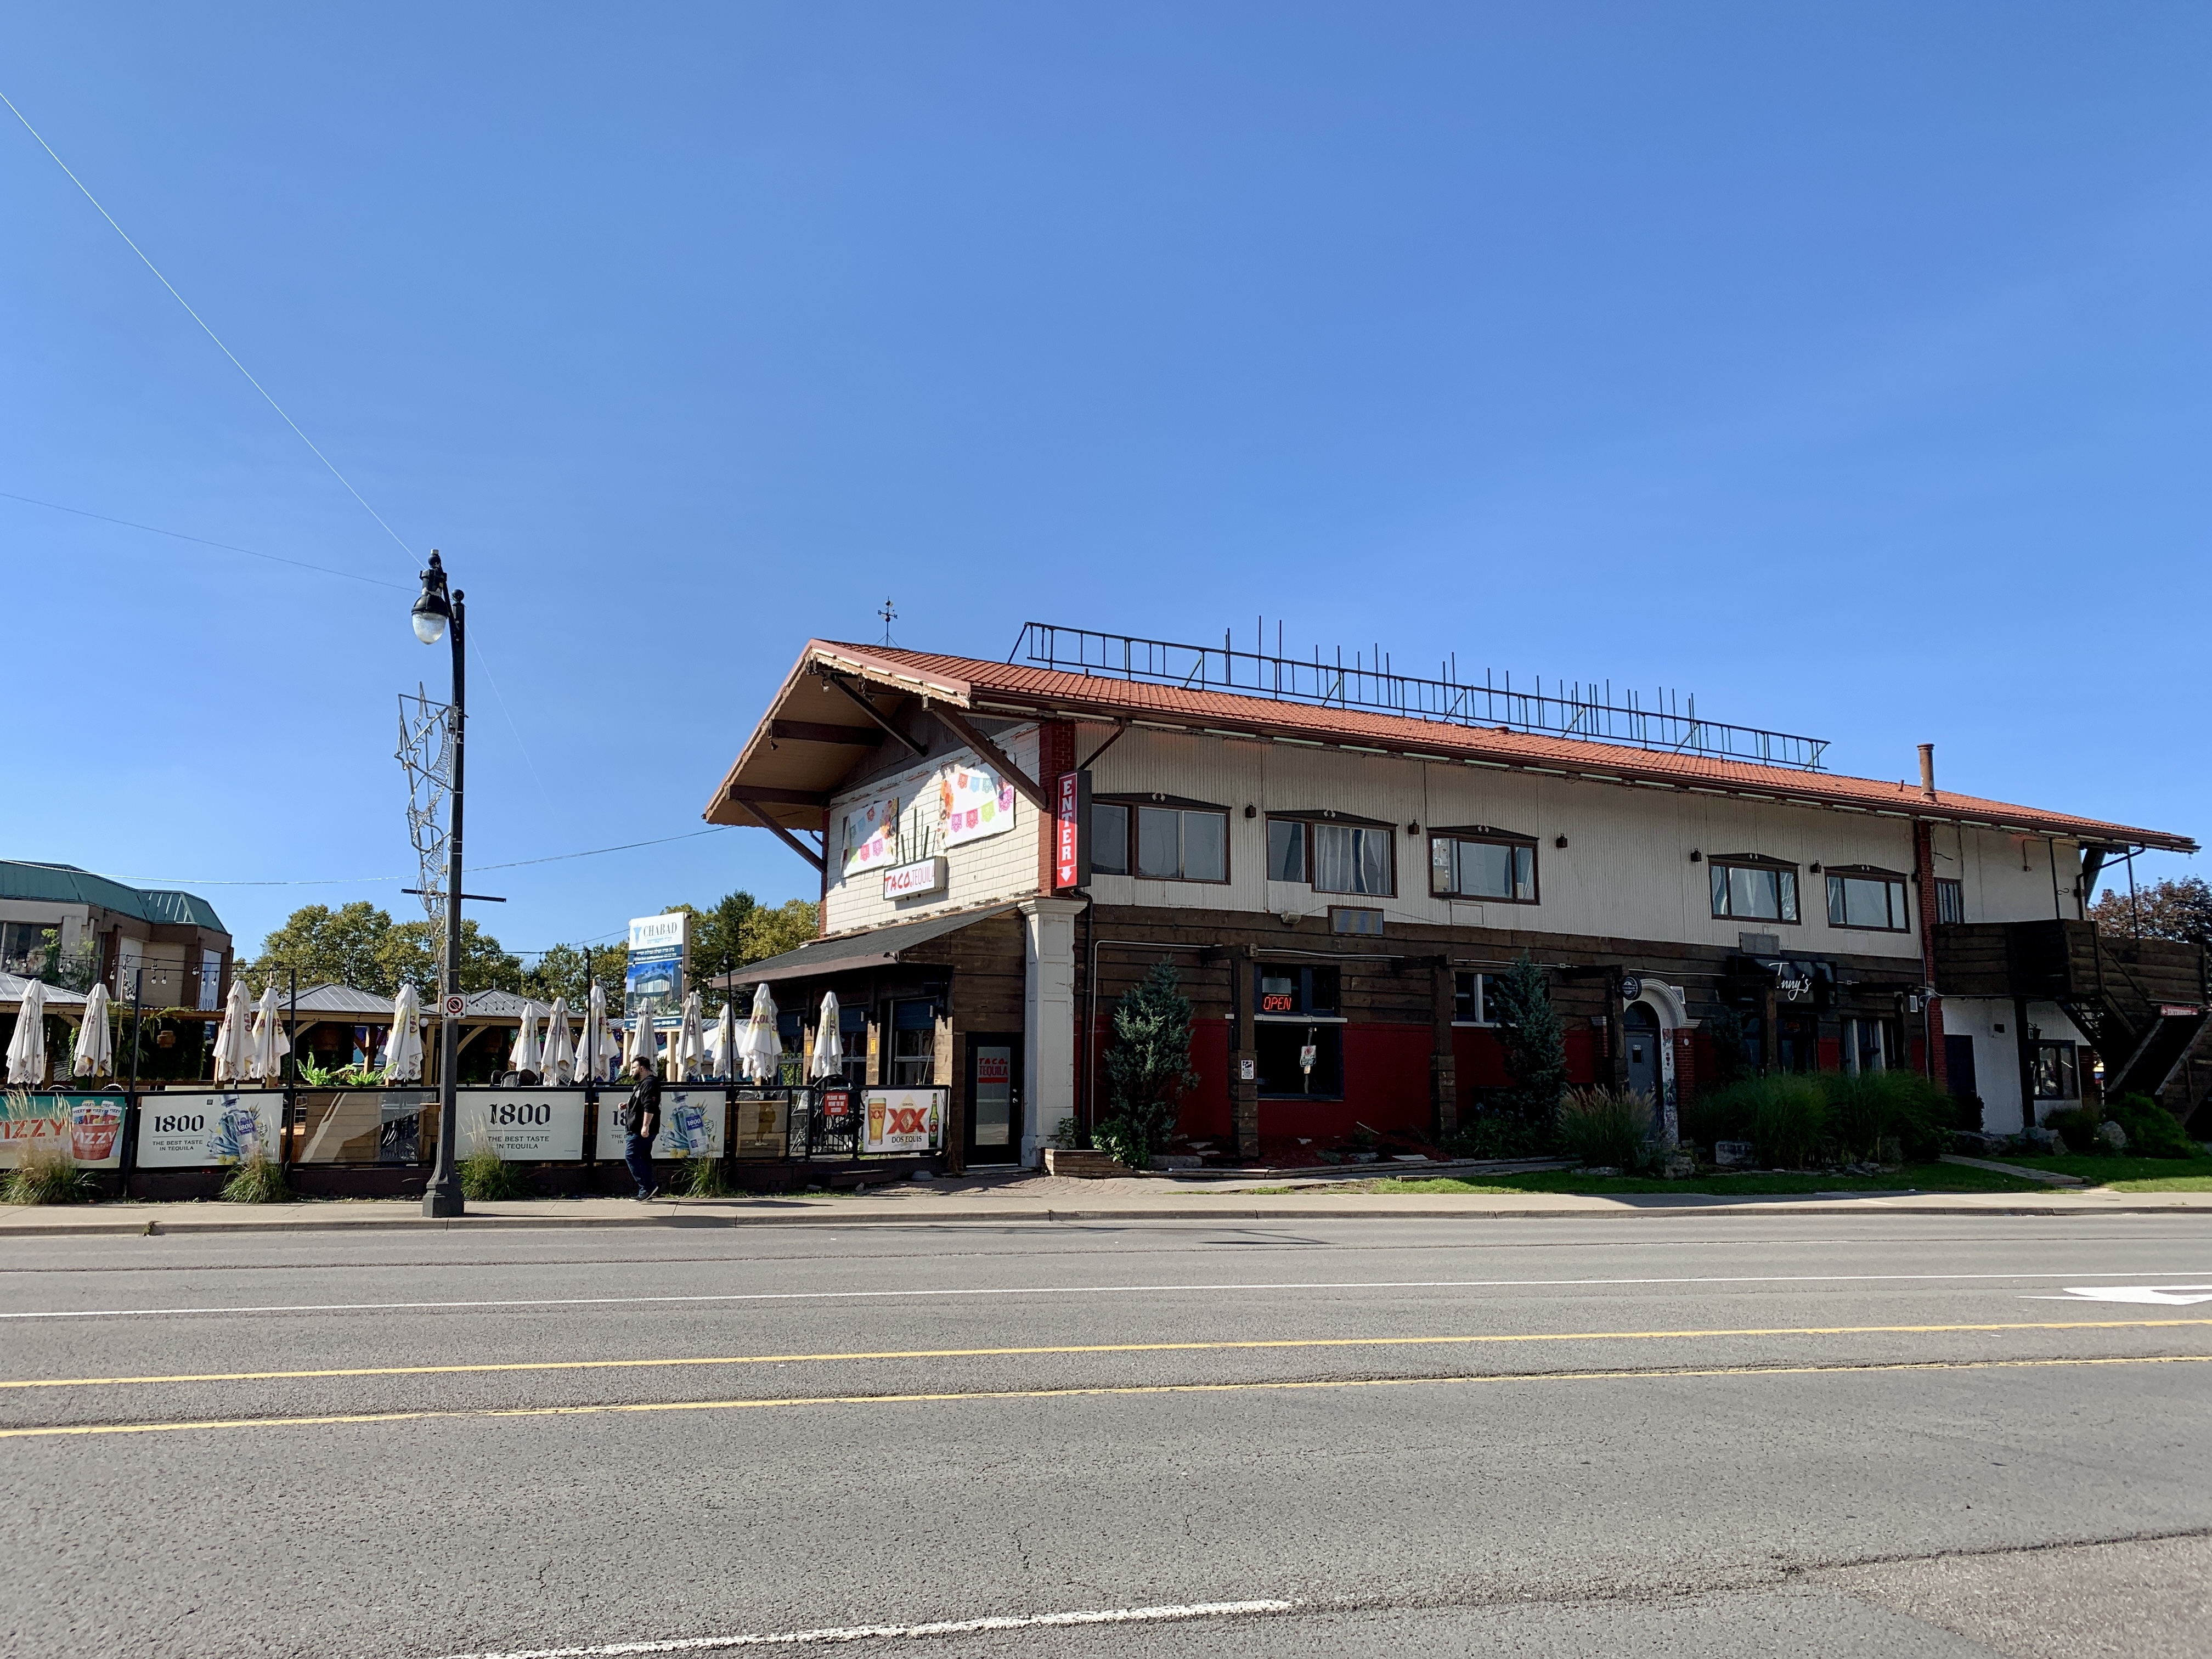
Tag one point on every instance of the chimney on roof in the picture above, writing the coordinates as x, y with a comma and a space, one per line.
1928, 770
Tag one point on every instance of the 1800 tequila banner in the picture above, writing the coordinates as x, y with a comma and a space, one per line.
192, 1131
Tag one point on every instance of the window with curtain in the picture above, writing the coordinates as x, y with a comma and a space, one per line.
1352, 859
1109, 838
2057, 1076
1286, 850
1950, 900
1462, 868
1754, 892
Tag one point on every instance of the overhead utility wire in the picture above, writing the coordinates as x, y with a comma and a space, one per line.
155, 529
527, 757
202, 321
343, 881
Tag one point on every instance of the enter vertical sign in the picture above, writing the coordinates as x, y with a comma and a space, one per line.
1070, 826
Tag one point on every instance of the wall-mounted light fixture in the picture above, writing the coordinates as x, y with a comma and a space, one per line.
1696, 857
1561, 841
1814, 868
1412, 829
1250, 810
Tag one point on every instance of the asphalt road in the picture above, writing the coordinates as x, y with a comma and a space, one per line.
1896, 1435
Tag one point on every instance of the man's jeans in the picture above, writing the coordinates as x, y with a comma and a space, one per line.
638, 1154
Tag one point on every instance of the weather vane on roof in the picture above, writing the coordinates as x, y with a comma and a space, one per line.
890, 614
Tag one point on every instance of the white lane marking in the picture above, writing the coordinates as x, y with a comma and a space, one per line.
897, 1632
1051, 1290
2169, 1295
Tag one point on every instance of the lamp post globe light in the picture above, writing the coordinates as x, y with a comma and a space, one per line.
437, 615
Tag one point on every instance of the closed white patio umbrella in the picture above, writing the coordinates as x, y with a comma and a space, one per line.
234, 1040
723, 1043
527, 1055
27, 1049
639, 1041
403, 1049
687, 1053
264, 1058
829, 1059
591, 1045
96, 1044
560, 1044
760, 1051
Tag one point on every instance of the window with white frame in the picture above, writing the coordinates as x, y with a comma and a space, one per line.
1469, 991
1950, 899
1754, 889
1463, 864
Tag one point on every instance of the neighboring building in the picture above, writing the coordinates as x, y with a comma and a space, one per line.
107, 931
1338, 859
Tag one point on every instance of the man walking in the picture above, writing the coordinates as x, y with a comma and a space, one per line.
641, 1119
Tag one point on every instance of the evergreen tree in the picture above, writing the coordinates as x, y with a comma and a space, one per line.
1148, 1069
1520, 1001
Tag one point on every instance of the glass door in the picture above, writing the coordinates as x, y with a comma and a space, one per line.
994, 1096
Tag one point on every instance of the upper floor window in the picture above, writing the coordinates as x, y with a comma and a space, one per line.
1462, 866
1334, 857
1868, 898
1166, 842
1351, 858
1750, 888
1950, 900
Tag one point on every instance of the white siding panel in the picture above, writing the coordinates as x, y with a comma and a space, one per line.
1625, 870
978, 872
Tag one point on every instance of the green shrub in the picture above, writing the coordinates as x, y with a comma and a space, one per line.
488, 1178
1868, 1108
1528, 1027
258, 1180
1486, 1133
1071, 1136
2077, 1127
1125, 1141
48, 1175
1966, 1113
1148, 1069
704, 1178
1719, 1113
1605, 1126
1788, 1119
2152, 1131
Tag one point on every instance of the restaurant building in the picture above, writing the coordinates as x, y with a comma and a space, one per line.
1338, 861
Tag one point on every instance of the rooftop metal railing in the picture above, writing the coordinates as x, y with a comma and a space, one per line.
1590, 711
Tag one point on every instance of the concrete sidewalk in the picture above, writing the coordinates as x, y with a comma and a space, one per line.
1043, 1198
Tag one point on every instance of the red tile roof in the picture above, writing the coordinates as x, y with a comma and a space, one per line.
1014, 688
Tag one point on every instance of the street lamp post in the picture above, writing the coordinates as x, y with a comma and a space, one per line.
434, 615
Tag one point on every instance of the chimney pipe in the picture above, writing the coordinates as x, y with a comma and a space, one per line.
1928, 770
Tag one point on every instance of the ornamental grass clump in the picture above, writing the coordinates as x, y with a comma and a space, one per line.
1868, 1109
259, 1179
488, 1178
704, 1178
1606, 1128
1788, 1117
48, 1175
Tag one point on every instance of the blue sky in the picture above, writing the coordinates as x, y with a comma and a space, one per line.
1847, 366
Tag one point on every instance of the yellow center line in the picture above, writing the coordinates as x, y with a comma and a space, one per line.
1116, 1347
1092, 1390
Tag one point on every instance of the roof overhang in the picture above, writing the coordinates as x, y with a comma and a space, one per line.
840, 700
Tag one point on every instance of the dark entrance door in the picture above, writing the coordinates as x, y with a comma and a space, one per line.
1641, 1032
1958, 1065
994, 1098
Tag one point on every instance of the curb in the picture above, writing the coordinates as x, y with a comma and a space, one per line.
158, 1226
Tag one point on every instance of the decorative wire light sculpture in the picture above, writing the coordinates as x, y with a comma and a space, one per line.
426, 753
